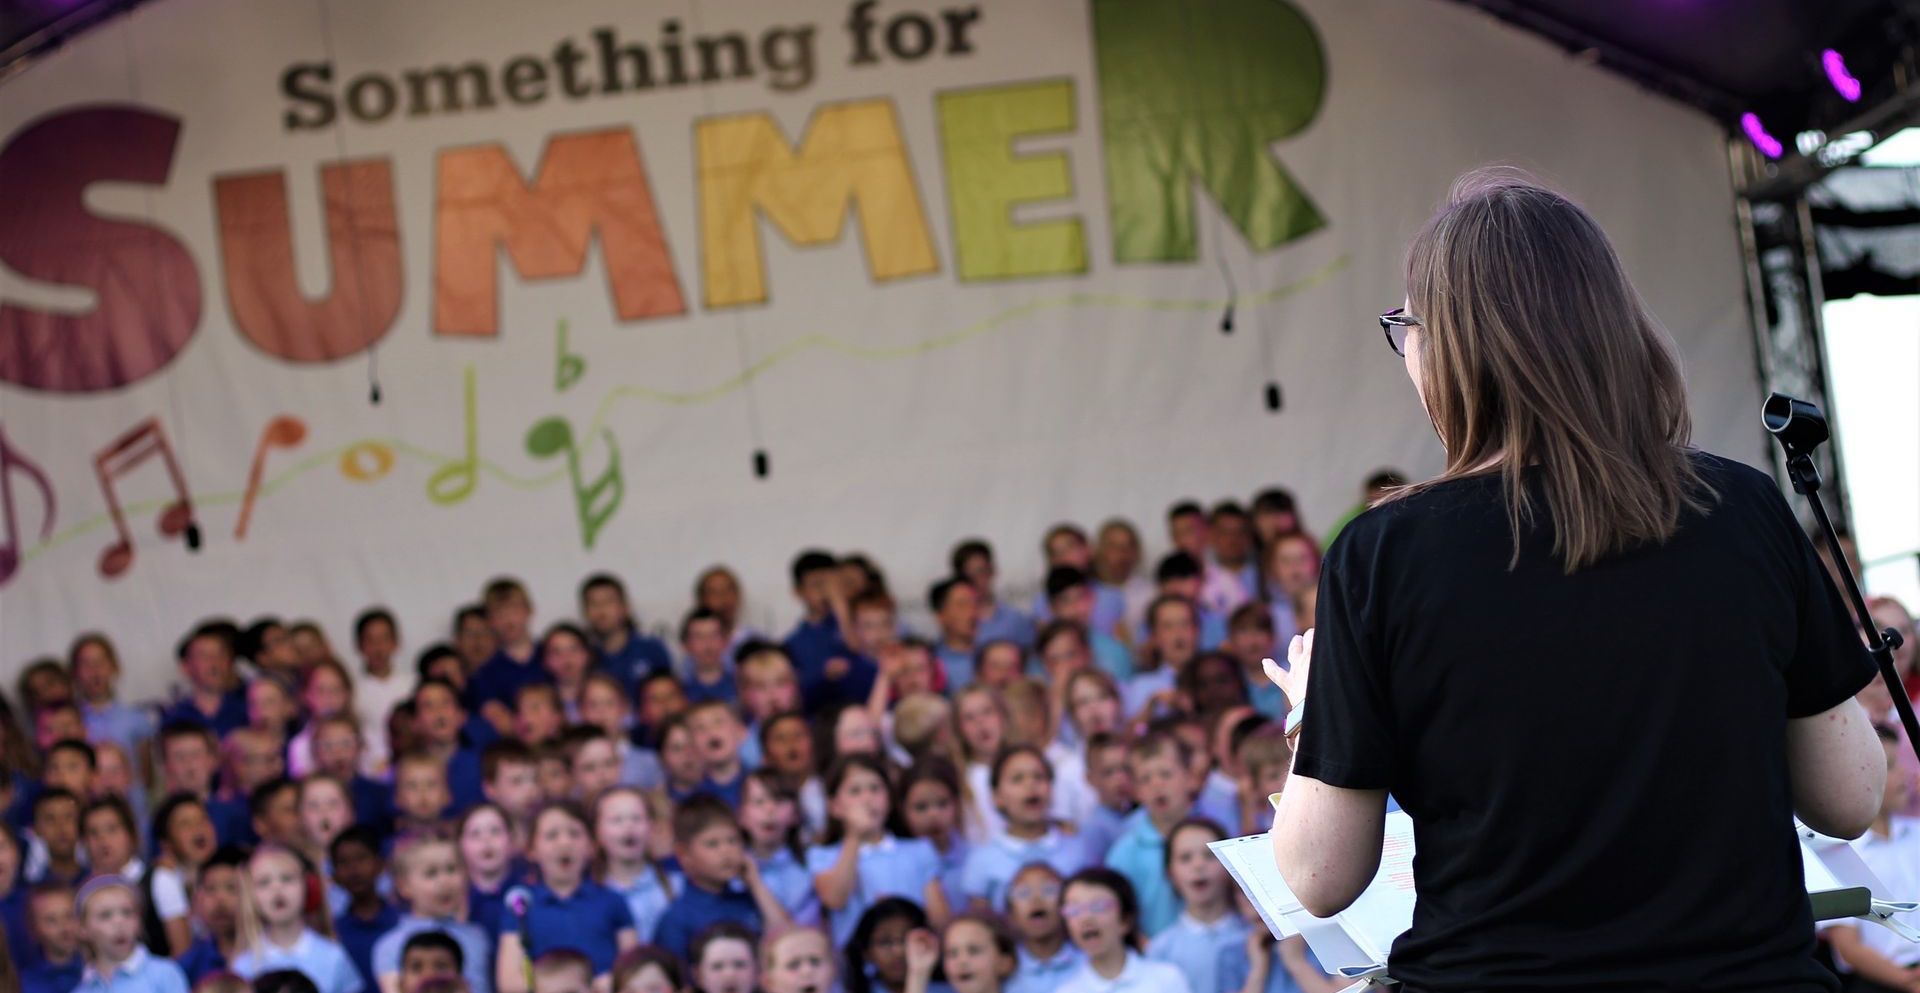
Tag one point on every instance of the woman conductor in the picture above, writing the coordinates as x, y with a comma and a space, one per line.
1599, 669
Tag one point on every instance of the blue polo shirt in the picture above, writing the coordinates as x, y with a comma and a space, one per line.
231, 715
489, 910
1006, 624
810, 644
1100, 829
232, 821
888, 867
500, 677
958, 664
357, 936
463, 780
201, 959
1234, 968
588, 920
1198, 949
142, 972
992, 865
723, 689
695, 910
787, 879
119, 723
49, 978
729, 791
1138, 854
476, 949
642, 656
647, 898
953, 869
1034, 975
313, 955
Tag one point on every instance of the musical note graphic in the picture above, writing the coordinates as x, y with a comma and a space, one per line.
145, 440
353, 461
284, 431
594, 504
464, 472
568, 367
10, 551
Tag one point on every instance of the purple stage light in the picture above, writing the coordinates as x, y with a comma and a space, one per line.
1768, 145
1837, 74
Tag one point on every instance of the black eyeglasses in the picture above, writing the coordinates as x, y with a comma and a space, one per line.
1395, 323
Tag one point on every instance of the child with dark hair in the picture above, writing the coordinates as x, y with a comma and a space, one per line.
214, 697
1045, 956
770, 816
439, 722
1022, 785
928, 798
431, 957
710, 845
627, 654
357, 867
976, 951
216, 914
709, 674
816, 642
876, 953
56, 829
717, 734
510, 778
862, 858
1103, 921
604, 705
54, 963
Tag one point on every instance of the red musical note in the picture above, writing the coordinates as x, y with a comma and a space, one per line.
119, 459
10, 552
284, 431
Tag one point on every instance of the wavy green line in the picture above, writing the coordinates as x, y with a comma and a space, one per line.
595, 430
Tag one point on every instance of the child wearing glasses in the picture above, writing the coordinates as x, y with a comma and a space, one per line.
1103, 921
1044, 957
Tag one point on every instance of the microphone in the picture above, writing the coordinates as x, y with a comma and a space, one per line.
518, 899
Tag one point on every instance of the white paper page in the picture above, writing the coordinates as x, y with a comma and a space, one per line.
1250, 862
1384, 910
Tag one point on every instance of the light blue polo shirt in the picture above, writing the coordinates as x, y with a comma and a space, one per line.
313, 955
1197, 948
142, 972
790, 883
888, 867
1135, 692
476, 949
1235, 968
992, 865
647, 898
1035, 975
1138, 855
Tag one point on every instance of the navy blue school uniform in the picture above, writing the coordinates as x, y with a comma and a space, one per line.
728, 791
489, 909
372, 803
357, 935
723, 689
50, 978
588, 920
232, 821
697, 909
810, 645
201, 959
478, 732
463, 780
500, 677
642, 656
13, 917
231, 715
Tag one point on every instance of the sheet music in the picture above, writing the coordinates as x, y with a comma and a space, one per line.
1384, 910
1250, 862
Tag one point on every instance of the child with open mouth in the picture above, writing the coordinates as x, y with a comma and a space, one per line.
1103, 921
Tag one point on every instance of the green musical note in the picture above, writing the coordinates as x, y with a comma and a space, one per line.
568, 367
595, 503
462, 473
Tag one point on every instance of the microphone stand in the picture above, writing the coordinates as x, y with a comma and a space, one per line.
1800, 427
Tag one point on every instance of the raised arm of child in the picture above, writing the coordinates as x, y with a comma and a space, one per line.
773, 913
923, 953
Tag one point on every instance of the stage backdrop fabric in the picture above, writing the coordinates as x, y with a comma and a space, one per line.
942, 268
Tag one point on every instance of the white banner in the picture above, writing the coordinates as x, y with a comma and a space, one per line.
944, 269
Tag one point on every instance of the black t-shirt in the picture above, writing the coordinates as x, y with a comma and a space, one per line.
1595, 764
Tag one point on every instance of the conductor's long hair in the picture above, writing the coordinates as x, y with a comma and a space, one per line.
1535, 350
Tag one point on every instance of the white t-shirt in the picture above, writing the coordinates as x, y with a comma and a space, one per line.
1895, 861
375, 699
1139, 975
169, 889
